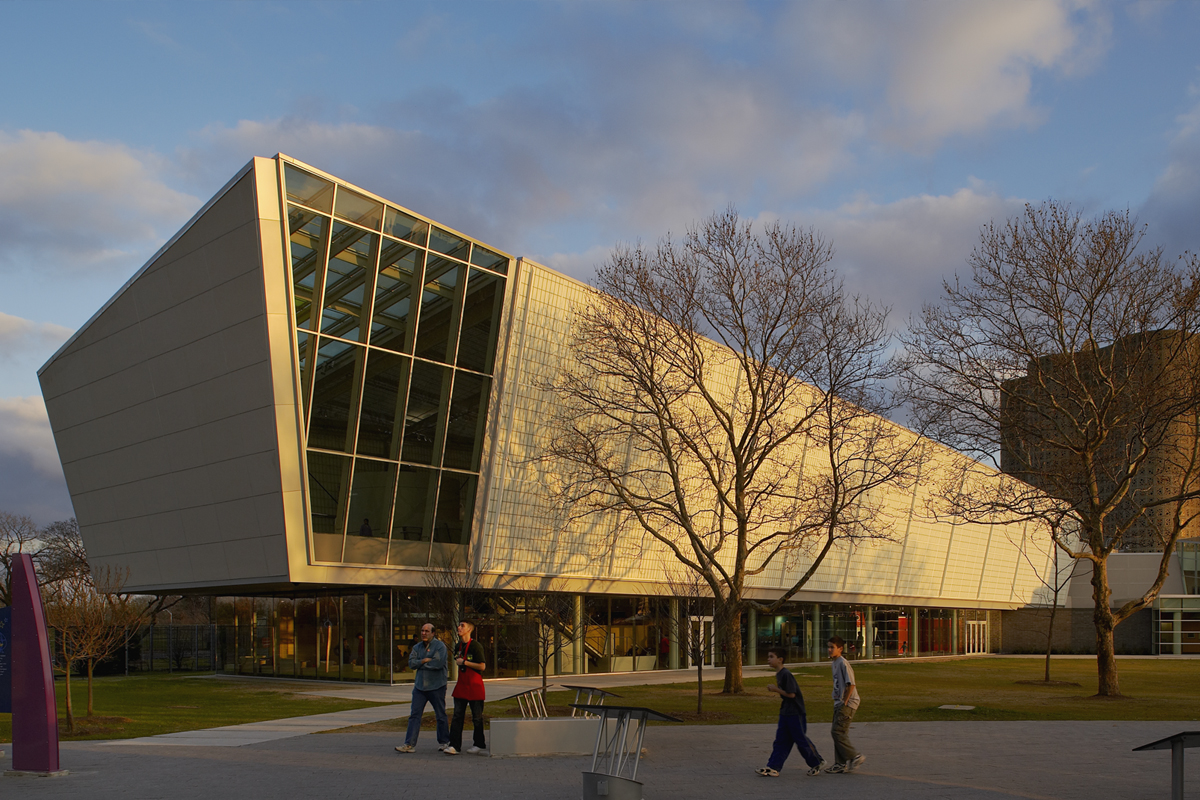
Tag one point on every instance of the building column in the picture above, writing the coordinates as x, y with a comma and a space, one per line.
814, 643
578, 647
673, 633
954, 632
1177, 634
869, 634
912, 632
752, 638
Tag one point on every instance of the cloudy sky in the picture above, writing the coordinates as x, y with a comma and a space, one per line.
557, 130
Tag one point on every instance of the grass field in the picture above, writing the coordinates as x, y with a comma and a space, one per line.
145, 705
912, 691
895, 691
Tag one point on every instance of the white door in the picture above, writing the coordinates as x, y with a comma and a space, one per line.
977, 639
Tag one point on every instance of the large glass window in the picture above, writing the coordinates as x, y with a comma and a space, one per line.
427, 393
438, 323
309, 237
411, 522
336, 375
308, 189
397, 323
370, 509
383, 393
480, 321
464, 426
404, 226
351, 268
399, 268
328, 481
456, 501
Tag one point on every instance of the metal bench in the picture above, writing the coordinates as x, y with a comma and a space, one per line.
1176, 745
618, 755
592, 696
532, 704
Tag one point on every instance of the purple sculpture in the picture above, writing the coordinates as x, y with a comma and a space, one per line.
35, 714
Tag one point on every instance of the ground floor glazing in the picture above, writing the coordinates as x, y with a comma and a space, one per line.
366, 636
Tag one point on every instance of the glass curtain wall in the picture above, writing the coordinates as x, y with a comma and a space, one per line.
396, 323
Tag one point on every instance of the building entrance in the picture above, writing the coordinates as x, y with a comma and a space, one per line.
976, 636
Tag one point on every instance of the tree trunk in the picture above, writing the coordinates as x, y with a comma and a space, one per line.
91, 663
1050, 636
1102, 617
731, 636
699, 685
67, 689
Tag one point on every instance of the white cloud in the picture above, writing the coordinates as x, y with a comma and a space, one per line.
898, 253
25, 434
69, 205
947, 67
1173, 207
20, 337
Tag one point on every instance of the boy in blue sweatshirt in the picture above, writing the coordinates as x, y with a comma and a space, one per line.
793, 723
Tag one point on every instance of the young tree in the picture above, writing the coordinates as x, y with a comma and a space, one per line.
727, 399
695, 599
550, 617
91, 621
1069, 356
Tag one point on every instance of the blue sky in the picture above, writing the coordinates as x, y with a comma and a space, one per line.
557, 130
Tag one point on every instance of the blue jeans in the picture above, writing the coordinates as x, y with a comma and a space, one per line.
437, 699
793, 730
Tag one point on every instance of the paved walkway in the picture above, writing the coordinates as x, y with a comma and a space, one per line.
905, 761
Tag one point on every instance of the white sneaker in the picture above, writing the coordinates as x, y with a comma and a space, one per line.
473, 750
442, 747
450, 751
855, 762
406, 748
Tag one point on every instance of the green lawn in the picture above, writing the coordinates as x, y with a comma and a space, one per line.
145, 705
1155, 690
912, 691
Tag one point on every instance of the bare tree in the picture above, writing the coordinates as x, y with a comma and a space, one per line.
1042, 556
550, 618
695, 598
91, 621
18, 534
1069, 358
727, 400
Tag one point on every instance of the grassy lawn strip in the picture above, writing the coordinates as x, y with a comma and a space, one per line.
146, 705
912, 691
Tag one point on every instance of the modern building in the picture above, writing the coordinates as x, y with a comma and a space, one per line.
325, 409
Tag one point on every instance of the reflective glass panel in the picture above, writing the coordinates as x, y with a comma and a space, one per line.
464, 426
309, 237
399, 266
336, 375
402, 226
304, 345
353, 207
328, 482
422, 416
383, 393
411, 523
370, 509
456, 501
351, 269
438, 322
480, 321
306, 188
448, 244
482, 257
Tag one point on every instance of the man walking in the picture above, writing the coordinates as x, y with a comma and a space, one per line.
428, 661
468, 691
845, 703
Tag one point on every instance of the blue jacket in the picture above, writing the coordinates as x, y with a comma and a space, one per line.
431, 675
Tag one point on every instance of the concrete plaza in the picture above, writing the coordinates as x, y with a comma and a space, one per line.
290, 758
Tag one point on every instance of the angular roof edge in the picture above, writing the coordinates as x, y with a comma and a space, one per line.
241, 173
